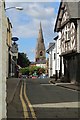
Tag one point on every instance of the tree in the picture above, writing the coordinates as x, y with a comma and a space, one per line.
37, 70
32, 70
24, 71
23, 60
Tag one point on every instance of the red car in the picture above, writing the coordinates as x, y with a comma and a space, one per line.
34, 77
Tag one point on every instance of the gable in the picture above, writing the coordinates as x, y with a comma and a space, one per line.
65, 16
69, 38
67, 11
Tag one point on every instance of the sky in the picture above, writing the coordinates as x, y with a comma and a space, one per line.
26, 23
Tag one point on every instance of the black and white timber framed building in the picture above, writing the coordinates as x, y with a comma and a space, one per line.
68, 23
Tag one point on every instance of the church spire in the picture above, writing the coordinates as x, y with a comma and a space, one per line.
40, 26
40, 34
40, 48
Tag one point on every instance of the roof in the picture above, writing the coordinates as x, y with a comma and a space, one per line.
51, 46
32, 63
73, 9
41, 62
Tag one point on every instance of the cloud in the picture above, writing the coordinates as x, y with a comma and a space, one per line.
26, 23
38, 11
27, 30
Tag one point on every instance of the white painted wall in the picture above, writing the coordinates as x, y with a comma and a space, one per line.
41, 65
78, 36
49, 66
58, 52
50, 63
62, 67
53, 60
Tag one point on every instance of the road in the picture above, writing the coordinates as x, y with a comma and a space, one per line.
37, 98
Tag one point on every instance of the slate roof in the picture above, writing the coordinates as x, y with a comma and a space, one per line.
41, 62
51, 45
32, 63
74, 9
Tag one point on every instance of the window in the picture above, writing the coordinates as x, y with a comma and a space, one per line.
54, 56
14, 58
67, 33
41, 53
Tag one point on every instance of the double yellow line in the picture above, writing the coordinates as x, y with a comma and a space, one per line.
25, 107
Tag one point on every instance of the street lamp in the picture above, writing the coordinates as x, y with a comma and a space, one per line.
18, 8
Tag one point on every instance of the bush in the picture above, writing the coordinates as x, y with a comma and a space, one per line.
31, 70
24, 71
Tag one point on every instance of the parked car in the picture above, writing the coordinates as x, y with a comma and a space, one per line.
24, 76
34, 76
43, 76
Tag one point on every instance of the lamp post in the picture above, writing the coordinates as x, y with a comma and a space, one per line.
18, 8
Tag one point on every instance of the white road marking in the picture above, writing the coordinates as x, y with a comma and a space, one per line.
46, 84
58, 105
59, 85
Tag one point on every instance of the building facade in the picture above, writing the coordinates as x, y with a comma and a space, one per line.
8, 47
14, 69
68, 23
52, 56
3, 34
58, 65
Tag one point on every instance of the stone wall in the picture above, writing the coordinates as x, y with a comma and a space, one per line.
3, 33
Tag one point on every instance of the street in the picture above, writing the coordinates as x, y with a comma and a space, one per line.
37, 98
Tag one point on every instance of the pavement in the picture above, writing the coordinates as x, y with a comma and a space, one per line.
14, 106
12, 84
66, 85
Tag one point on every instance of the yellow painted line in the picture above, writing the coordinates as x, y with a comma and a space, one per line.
30, 106
23, 104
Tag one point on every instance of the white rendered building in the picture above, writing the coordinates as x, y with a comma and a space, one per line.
52, 56
56, 66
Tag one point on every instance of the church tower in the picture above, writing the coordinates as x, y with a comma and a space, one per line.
40, 48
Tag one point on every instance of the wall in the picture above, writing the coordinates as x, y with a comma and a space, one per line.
72, 68
53, 60
78, 36
3, 34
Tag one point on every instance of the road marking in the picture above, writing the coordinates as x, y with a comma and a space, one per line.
46, 84
51, 82
23, 104
30, 106
63, 87
58, 105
